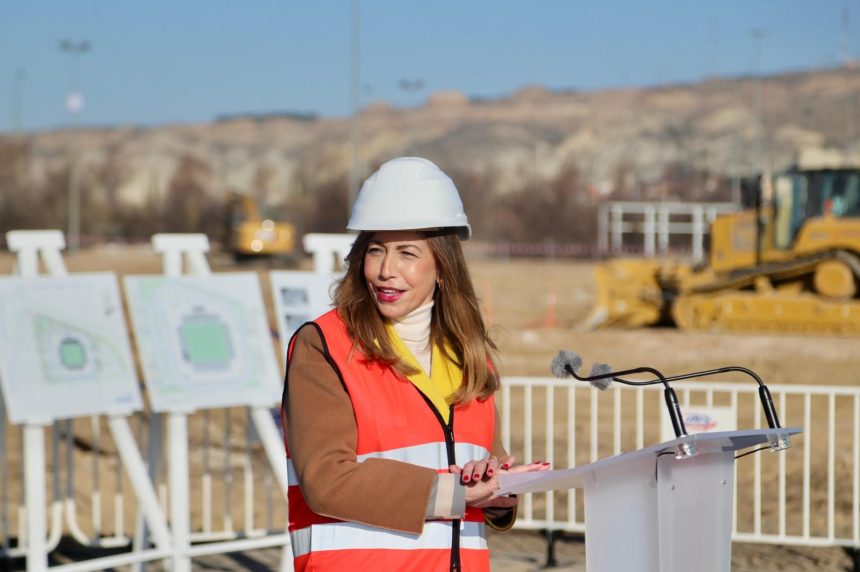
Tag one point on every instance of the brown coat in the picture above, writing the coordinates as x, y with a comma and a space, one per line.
321, 435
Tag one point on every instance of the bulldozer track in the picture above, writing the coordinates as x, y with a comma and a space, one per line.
724, 306
776, 312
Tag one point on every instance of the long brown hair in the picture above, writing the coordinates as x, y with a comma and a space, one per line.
456, 321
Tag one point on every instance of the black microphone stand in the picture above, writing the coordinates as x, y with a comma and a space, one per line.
781, 442
686, 449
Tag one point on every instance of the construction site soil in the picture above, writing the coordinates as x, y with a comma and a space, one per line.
533, 307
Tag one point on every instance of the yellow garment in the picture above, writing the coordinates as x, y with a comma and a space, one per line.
444, 379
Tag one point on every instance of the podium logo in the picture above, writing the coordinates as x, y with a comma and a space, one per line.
700, 420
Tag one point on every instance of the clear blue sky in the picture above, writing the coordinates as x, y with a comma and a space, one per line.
164, 61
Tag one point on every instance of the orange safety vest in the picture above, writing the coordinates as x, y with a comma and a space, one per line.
395, 421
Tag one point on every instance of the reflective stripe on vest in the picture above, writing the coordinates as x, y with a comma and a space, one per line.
351, 535
431, 455
394, 421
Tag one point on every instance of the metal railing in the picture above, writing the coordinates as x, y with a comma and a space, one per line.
234, 493
806, 495
656, 222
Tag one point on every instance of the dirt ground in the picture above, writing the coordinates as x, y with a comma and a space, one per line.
533, 307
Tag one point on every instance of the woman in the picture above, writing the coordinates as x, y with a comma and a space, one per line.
388, 404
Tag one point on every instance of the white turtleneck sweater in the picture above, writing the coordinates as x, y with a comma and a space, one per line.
414, 330
448, 498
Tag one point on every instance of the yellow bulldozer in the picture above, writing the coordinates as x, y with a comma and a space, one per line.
791, 264
248, 234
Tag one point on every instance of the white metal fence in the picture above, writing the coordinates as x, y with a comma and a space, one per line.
234, 495
808, 494
656, 222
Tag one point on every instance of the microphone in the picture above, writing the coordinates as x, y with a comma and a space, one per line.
568, 363
779, 442
565, 364
598, 374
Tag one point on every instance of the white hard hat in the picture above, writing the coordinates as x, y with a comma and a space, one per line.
409, 193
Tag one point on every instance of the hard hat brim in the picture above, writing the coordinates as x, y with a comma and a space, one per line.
463, 232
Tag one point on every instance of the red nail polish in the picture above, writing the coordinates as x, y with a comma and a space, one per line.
490, 472
545, 463
476, 476
506, 466
465, 478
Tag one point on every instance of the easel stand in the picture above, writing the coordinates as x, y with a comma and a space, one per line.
192, 248
652, 512
29, 246
328, 248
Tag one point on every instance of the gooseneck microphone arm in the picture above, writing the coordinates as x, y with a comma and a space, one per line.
668, 393
567, 363
763, 391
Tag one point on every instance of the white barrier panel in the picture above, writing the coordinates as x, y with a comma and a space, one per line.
808, 495
234, 494
329, 250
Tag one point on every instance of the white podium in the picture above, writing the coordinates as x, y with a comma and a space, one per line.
649, 511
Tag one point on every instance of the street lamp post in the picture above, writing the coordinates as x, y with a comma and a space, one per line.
74, 104
355, 83
17, 100
411, 86
757, 35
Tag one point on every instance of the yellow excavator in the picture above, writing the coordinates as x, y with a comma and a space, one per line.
791, 264
248, 234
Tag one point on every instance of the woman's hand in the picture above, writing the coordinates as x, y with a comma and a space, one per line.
481, 480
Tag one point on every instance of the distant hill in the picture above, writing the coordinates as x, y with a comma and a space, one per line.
635, 142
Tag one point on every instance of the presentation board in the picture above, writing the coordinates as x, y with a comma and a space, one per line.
204, 341
300, 297
64, 349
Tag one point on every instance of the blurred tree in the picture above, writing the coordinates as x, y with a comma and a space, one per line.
187, 206
17, 203
102, 215
52, 199
140, 223
329, 206
557, 210
262, 183
478, 201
